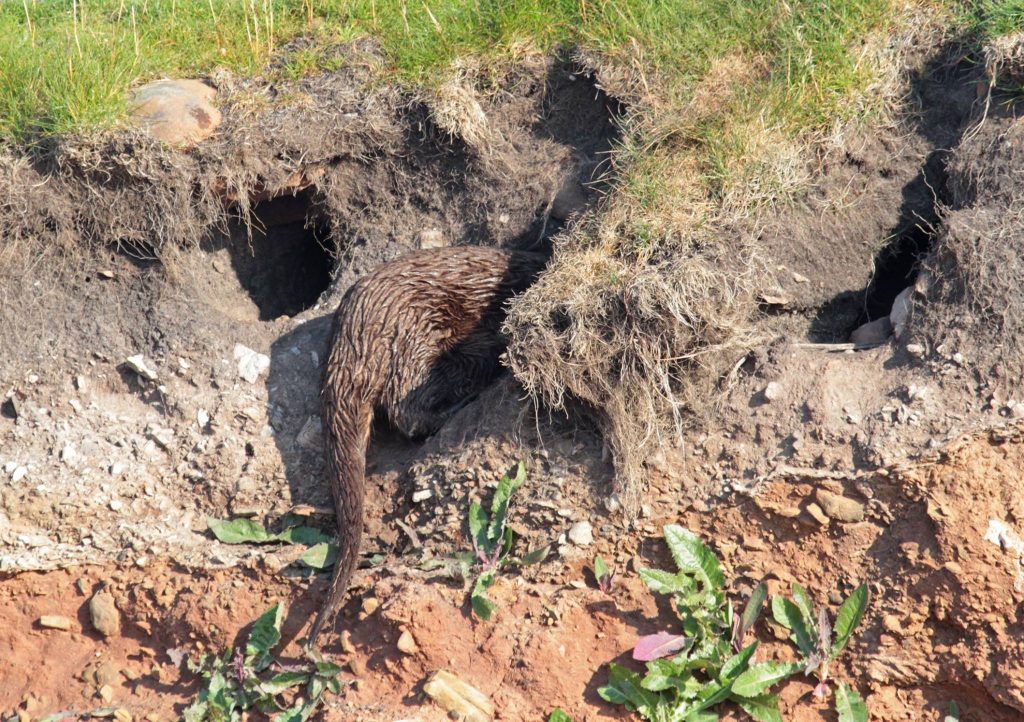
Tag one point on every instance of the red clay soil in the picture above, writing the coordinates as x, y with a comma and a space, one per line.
937, 547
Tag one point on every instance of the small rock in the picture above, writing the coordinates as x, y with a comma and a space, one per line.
139, 365
346, 642
358, 666
406, 643
250, 363
612, 504
915, 349
817, 514
55, 621
800, 278
18, 474
103, 612
454, 695
873, 333
772, 391
840, 508
81, 383
179, 112
431, 238
116, 505
421, 495
581, 534
370, 605
900, 311
202, 418
69, 454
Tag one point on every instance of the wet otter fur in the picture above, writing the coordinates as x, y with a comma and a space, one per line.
417, 338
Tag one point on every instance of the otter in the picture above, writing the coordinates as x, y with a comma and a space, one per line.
416, 338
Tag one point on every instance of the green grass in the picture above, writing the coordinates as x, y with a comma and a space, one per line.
65, 64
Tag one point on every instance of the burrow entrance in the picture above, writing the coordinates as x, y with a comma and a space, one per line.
284, 259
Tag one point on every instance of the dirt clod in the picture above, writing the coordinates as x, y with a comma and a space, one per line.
840, 508
104, 615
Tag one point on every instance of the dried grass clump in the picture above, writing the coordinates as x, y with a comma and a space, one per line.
643, 338
456, 109
1004, 59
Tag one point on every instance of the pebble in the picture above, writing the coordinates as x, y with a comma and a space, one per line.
55, 621
19, 474
346, 642
581, 534
454, 695
915, 349
139, 365
250, 363
370, 605
772, 391
358, 666
819, 516
406, 643
69, 454
421, 495
839, 507
103, 612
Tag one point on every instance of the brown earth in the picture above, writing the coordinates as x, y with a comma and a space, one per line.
121, 248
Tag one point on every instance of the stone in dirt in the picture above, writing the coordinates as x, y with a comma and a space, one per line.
900, 311
250, 363
103, 612
139, 365
581, 534
840, 507
55, 621
179, 112
872, 333
454, 695
406, 643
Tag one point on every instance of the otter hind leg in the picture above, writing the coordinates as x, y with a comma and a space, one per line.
454, 380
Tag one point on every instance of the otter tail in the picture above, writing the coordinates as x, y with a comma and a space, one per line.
347, 417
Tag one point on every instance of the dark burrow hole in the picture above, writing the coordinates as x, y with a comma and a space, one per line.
287, 262
896, 267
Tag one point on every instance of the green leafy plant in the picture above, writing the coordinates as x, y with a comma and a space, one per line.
709, 662
320, 554
249, 677
688, 674
558, 715
605, 577
849, 705
493, 541
814, 635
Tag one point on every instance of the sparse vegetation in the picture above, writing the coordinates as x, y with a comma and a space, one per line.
690, 673
493, 542
321, 552
250, 678
604, 576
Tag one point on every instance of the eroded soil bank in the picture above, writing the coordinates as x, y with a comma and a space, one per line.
224, 286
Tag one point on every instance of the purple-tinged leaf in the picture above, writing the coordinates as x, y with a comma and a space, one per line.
656, 646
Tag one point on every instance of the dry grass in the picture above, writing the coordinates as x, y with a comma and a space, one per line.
650, 305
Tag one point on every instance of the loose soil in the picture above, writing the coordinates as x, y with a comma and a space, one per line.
249, 240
